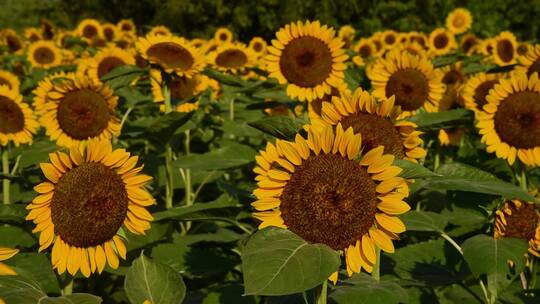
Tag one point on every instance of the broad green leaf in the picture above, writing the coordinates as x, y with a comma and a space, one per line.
35, 153
215, 208
13, 236
76, 298
132, 96
463, 170
465, 219
149, 280
439, 120
446, 60
162, 129
20, 290
157, 232
486, 255
478, 68
228, 294
37, 267
123, 71
363, 289
283, 127
13, 213
277, 94
423, 221
413, 170
225, 79
278, 262
229, 156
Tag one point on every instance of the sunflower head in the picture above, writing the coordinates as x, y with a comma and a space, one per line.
198, 43
17, 123
323, 190
109, 32
376, 39
223, 34
80, 109
108, 59
232, 58
364, 49
347, 33
451, 137
453, 78
519, 219
468, 42
510, 120
308, 58
181, 89
12, 41
173, 54
45, 86
44, 54
258, 45
10, 80
419, 38
504, 48
160, 30
377, 121
89, 29
32, 34
89, 196
389, 39
412, 79
47, 29
441, 41
127, 26
7, 253
459, 21
476, 89
530, 62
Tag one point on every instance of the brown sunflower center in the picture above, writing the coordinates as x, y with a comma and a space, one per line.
223, 37
257, 47
171, 55
330, 200
522, 223
505, 50
306, 61
517, 120
43, 55
183, 87
89, 205
126, 27
231, 59
468, 43
522, 49
440, 41
453, 77
89, 31
482, 91
378, 44
14, 43
410, 88
390, 39
108, 64
458, 21
376, 131
108, 33
11, 116
364, 51
5, 82
83, 114
534, 68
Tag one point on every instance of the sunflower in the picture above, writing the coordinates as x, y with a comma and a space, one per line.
109, 32
346, 33
108, 59
13, 42
468, 42
10, 80
412, 79
88, 29
376, 39
320, 189
377, 122
160, 30
173, 54
486, 47
504, 51
32, 34
223, 34
125, 40
181, 89
89, 195
521, 220
364, 49
309, 58
530, 63
510, 121
198, 43
453, 78
522, 49
17, 122
258, 45
389, 39
79, 110
412, 48
127, 26
44, 54
7, 253
451, 137
459, 21
419, 38
47, 30
476, 88
45, 86
232, 58
441, 41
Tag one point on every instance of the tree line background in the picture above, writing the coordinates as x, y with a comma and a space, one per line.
248, 18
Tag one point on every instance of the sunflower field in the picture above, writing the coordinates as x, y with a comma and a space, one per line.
312, 164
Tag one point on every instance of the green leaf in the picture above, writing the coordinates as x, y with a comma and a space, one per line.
229, 156
278, 262
13, 236
215, 208
76, 298
35, 153
122, 71
439, 120
424, 221
486, 255
446, 60
277, 94
225, 79
363, 289
37, 267
413, 170
132, 96
283, 127
162, 128
20, 290
228, 294
149, 280
13, 212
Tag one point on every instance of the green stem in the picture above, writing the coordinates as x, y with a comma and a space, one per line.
323, 295
376, 273
5, 171
187, 180
523, 179
437, 160
169, 185
68, 289
231, 109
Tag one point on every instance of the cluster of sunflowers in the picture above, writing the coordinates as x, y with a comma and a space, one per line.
335, 183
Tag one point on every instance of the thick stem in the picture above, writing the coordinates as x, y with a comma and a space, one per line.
323, 295
169, 185
523, 179
68, 289
5, 171
376, 272
187, 180
231, 109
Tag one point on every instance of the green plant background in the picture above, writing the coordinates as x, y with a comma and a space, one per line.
261, 18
